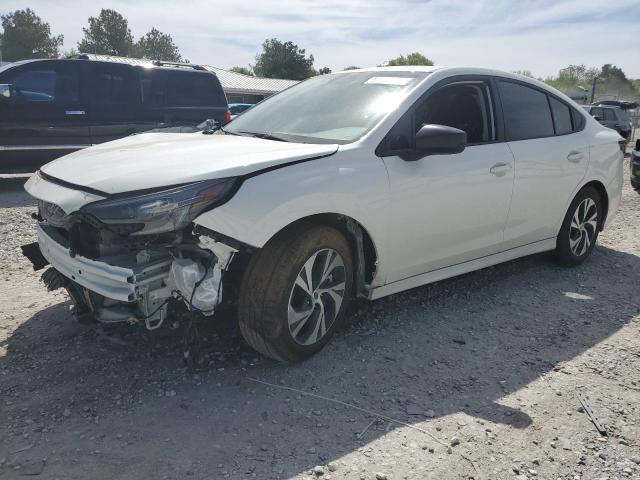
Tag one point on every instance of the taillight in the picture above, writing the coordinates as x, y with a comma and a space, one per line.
228, 116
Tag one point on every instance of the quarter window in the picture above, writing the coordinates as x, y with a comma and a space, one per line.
192, 89
609, 114
526, 112
561, 116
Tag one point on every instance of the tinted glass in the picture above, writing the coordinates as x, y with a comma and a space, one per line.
561, 116
112, 84
36, 84
609, 114
192, 89
526, 112
464, 106
337, 108
597, 112
578, 120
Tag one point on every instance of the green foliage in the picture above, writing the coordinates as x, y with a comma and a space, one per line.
415, 58
611, 82
324, 71
25, 36
107, 34
351, 67
283, 60
156, 45
242, 70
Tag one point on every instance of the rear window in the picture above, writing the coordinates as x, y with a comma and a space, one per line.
192, 89
561, 116
526, 112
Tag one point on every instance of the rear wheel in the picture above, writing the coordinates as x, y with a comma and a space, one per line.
295, 291
580, 228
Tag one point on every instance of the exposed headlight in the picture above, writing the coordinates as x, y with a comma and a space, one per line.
164, 211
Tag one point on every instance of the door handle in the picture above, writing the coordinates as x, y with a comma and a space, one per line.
575, 157
74, 112
500, 169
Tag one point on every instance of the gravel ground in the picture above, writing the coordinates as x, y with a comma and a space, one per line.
475, 376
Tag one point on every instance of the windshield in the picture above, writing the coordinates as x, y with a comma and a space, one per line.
336, 108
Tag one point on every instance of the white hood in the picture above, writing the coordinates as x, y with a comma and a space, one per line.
153, 160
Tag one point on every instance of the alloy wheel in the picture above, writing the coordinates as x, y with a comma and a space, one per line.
584, 225
316, 296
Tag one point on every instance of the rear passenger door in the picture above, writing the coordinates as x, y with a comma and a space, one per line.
551, 154
114, 104
45, 119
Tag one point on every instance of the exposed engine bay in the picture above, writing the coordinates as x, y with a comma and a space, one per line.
113, 276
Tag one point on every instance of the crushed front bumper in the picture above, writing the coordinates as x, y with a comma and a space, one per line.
111, 281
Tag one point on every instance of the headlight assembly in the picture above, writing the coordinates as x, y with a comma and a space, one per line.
164, 211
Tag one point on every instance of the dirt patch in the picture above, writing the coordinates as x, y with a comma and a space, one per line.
486, 367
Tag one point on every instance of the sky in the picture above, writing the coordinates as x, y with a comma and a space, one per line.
537, 35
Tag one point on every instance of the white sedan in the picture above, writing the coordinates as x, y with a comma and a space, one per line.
360, 183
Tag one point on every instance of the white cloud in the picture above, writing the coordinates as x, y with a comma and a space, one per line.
538, 35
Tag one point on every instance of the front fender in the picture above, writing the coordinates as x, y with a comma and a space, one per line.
342, 184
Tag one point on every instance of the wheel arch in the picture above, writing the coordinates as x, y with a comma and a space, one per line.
604, 197
349, 227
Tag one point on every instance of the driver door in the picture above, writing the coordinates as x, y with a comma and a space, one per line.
448, 209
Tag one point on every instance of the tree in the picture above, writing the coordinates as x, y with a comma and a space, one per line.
415, 58
108, 34
351, 67
283, 60
156, 45
25, 35
324, 71
242, 71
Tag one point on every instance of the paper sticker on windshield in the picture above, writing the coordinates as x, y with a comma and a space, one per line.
399, 81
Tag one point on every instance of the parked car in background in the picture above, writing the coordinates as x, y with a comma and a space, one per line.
237, 108
635, 167
360, 183
49, 108
612, 117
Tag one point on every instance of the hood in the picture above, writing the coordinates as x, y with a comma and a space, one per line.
153, 160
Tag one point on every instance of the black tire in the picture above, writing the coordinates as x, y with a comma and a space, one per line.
564, 254
267, 287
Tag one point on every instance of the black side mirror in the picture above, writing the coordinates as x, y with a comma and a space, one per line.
440, 140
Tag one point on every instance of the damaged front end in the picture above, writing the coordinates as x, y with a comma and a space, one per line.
136, 258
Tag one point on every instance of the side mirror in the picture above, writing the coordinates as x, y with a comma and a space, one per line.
6, 92
440, 140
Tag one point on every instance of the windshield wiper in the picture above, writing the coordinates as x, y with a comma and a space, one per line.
264, 135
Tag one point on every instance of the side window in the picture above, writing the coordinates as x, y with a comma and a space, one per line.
578, 120
597, 112
464, 105
526, 112
112, 84
609, 114
152, 85
192, 89
35, 84
561, 116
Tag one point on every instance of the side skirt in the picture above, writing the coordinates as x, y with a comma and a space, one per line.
461, 268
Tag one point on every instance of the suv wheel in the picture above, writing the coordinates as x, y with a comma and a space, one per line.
580, 228
295, 292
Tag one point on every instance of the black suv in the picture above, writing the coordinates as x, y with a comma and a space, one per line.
49, 108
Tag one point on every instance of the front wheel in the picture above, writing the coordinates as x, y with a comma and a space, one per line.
580, 228
295, 291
